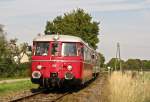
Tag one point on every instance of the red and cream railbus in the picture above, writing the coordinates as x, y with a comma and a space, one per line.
61, 59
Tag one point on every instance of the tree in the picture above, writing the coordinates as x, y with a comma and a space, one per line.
17, 51
1, 28
134, 64
4, 53
76, 23
112, 62
146, 64
102, 60
5, 56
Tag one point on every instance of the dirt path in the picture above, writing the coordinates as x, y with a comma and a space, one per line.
13, 80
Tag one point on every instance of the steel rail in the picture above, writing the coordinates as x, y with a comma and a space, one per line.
37, 93
28, 96
59, 97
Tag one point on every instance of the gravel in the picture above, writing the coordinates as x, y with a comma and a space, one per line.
97, 91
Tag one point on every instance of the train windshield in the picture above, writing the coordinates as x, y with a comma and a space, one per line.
69, 49
41, 48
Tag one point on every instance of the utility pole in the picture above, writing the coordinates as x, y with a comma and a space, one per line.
118, 58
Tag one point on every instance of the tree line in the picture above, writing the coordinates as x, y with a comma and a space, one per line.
130, 64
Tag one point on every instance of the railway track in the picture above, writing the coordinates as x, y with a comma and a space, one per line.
41, 96
49, 96
28, 96
60, 96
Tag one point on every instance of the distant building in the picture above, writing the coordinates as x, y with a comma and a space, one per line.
25, 58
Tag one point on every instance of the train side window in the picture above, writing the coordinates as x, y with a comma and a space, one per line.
82, 51
86, 54
93, 56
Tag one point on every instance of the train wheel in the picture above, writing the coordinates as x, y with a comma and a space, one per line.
46, 83
40, 86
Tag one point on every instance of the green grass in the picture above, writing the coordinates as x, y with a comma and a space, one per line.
7, 88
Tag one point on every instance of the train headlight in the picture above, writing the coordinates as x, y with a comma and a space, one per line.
39, 67
69, 67
36, 74
69, 76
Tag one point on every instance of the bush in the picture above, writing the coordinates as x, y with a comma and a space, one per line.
14, 70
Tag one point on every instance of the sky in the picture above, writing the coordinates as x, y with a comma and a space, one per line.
123, 21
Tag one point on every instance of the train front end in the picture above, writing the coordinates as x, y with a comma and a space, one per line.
56, 62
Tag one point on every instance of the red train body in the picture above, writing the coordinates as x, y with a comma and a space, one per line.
61, 60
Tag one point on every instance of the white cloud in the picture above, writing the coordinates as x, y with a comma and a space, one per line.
33, 7
147, 1
116, 7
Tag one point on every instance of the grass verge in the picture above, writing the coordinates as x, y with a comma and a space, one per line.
126, 88
11, 78
10, 88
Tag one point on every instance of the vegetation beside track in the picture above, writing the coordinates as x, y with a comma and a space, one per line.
7, 89
11, 55
129, 87
12, 71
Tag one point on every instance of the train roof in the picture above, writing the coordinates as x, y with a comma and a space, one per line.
63, 38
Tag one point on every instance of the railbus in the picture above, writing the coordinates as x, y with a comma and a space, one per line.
59, 60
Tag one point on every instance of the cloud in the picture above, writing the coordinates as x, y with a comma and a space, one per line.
147, 1
34, 7
122, 5
116, 7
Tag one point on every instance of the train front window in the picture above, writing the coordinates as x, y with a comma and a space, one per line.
69, 49
41, 48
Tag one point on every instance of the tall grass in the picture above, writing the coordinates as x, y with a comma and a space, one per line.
129, 87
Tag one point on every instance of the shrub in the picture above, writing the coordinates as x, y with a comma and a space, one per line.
14, 70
